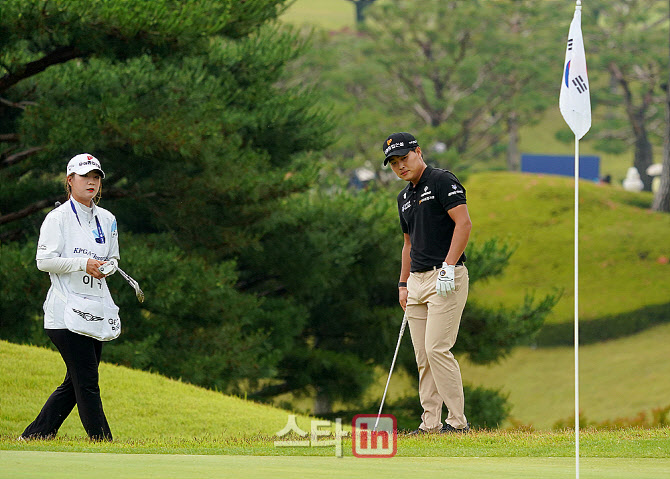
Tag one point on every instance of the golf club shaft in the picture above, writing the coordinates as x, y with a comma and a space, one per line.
133, 283
395, 355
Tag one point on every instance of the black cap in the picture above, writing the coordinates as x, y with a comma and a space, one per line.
398, 144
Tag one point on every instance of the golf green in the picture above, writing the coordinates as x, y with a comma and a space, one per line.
33, 464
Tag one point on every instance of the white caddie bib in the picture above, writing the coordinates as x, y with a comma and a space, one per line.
94, 317
83, 283
89, 308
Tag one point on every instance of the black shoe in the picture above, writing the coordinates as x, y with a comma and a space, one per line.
417, 432
448, 429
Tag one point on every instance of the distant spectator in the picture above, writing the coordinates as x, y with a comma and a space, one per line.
632, 182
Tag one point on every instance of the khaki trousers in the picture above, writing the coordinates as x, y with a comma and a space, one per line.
433, 323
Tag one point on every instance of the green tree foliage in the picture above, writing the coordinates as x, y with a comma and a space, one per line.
183, 97
464, 75
627, 55
341, 273
258, 278
345, 249
184, 104
195, 324
20, 307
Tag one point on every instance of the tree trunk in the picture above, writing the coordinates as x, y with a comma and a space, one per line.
360, 17
643, 153
513, 157
662, 197
322, 404
361, 5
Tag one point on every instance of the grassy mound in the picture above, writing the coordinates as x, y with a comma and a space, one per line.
137, 404
151, 408
622, 252
618, 380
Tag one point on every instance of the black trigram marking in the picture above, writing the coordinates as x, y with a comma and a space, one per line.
570, 44
580, 84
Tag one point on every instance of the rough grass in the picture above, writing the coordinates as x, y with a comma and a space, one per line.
630, 443
169, 429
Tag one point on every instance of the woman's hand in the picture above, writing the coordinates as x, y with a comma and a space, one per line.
92, 266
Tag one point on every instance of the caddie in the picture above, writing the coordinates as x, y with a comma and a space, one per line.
76, 239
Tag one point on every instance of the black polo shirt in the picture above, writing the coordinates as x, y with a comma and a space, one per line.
423, 215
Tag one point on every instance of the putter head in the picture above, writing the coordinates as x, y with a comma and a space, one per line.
139, 294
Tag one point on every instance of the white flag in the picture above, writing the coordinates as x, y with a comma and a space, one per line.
575, 100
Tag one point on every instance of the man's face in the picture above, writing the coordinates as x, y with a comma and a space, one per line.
408, 167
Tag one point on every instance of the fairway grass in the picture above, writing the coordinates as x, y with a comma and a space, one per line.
121, 466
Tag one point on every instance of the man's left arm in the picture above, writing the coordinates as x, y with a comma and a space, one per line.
461, 236
445, 283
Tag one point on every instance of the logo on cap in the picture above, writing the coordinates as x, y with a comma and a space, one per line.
388, 142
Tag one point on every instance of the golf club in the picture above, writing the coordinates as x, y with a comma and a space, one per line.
138, 292
395, 355
109, 267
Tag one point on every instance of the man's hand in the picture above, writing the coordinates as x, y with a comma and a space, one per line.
445, 280
402, 297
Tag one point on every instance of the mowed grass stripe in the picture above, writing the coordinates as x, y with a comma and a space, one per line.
74, 465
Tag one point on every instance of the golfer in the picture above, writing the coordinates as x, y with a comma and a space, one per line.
77, 238
433, 283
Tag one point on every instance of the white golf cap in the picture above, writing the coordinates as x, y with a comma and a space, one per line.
82, 164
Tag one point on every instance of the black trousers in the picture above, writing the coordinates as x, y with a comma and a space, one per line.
82, 358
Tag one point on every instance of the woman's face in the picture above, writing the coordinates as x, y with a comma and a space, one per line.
84, 188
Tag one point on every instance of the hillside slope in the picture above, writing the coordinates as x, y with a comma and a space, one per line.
623, 248
137, 404
618, 379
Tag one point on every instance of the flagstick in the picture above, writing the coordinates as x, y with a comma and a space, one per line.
577, 306
575, 105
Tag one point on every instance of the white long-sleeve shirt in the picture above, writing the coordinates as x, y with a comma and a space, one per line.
67, 240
